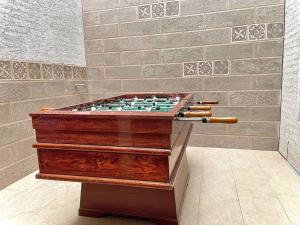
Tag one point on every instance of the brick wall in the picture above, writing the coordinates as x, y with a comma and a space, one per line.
230, 50
290, 111
37, 39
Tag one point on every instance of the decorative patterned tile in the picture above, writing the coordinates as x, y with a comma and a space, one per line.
221, 67
47, 71
158, 10
205, 68
190, 69
34, 71
239, 33
275, 30
144, 11
68, 72
172, 8
257, 31
5, 70
58, 72
79, 73
20, 70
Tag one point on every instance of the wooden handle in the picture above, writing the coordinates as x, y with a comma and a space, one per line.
197, 114
199, 107
46, 109
208, 102
221, 120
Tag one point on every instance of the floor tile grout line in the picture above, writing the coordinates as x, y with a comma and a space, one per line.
237, 194
201, 180
285, 211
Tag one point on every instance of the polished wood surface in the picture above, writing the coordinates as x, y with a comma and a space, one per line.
199, 107
127, 162
197, 114
222, 120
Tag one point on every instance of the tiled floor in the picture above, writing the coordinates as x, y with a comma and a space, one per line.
227, 187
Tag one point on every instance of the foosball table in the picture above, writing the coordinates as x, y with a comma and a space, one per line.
129, 152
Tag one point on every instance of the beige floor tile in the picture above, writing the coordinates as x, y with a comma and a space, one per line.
189, 214
263, 211
219, 213
270, 159
253, 183
291, 204
243, 159
192, 194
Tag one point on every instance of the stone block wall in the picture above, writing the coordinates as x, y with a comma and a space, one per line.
41, 61
290, 111
230, 50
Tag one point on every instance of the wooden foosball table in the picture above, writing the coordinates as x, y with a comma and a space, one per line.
129, 152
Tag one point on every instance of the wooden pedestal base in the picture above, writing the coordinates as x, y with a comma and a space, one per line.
158, 205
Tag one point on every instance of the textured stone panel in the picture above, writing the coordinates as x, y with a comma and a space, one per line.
166, 70
270, 14
54, 88
14, 91
127, 14
91, 18
235, 4
137, 58
266, 113
269, 48
221, 96
254, 98
93, 46
180, 24
123, 72
162, 41
230, 18
140, 28
200, 6
21, 110
221, 141
209, 37
109, 16
95, 73
256, 66
267, 82
103, 59
99, 4
233, 51
140, 85
226, 83
5, 113
100, 32
263, 143
181, 85
182, 55
79, 73
122, 44
71, 87
42, 31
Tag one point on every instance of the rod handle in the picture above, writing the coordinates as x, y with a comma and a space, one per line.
44, 109
221, 120
199, 107
197, 114
208, 102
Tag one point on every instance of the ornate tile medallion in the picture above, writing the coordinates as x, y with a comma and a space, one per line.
221, 67
239, 33
257, 31
68, 73
5, 70
205, 68
275, 30
79, 73
144, 11
47, 71
58, 72
190, 69
172, 8
34, 71
20, 70
158, 10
